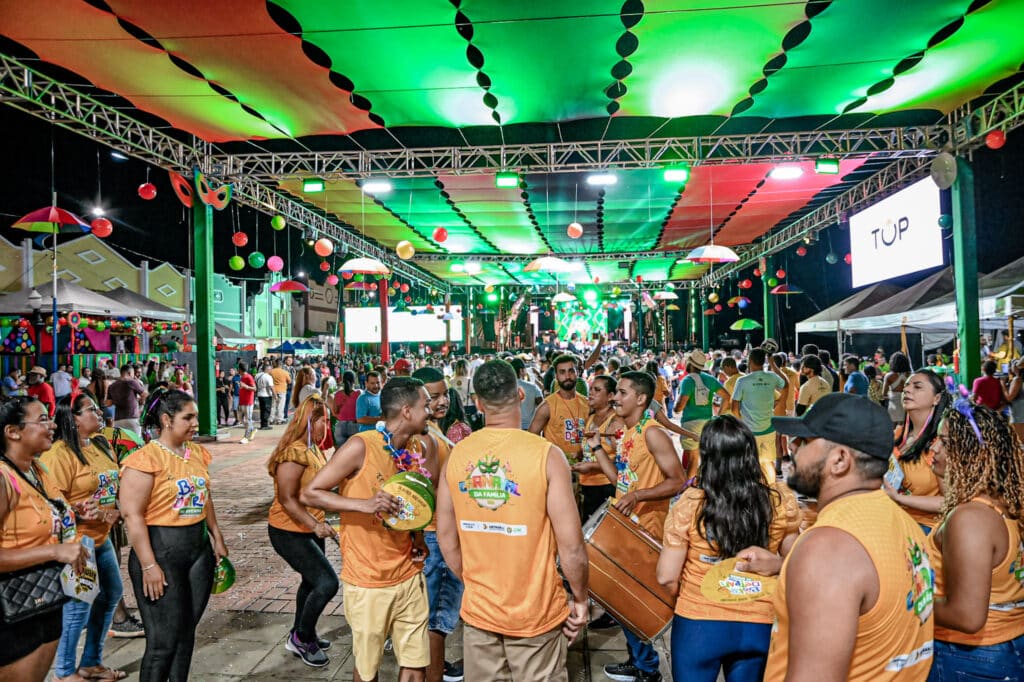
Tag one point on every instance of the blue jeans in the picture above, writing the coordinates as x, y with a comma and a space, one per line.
740, 648
95, 617
962, 663
444, 590
641, 654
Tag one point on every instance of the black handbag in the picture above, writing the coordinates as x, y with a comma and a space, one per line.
31, 592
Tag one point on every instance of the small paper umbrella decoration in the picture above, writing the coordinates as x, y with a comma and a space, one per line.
405, 250
278, 222
236, 262
786, 289
239, 239
736, 300
52, 220
712, 253
548, 264
147, 191
257, 259
102, 228
671, 306
332, 280
323, 247
575, 230
710, 311
745, 324
289, 286
666, 296
324, 266
275, 264
365, 266
440, 235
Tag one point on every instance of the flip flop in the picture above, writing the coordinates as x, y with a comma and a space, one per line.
102, 673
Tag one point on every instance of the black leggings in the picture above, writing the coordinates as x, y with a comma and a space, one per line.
304, 552
186, 558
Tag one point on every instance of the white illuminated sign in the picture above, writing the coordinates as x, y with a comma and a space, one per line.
362, 325
897, 236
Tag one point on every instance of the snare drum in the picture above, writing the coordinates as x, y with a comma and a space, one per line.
623, 572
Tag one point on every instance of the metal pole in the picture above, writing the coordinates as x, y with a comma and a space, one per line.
769, 300
385, 343
965, 272
205, 386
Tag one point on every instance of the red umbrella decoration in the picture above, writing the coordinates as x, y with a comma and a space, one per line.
289, 286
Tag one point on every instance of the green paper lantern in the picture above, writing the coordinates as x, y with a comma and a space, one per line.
358, 277
278, 223
236, 262
100, 326
257, 259
772, 281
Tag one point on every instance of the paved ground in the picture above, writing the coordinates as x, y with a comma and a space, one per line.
242, 634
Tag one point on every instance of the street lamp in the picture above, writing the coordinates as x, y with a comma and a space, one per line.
35, 301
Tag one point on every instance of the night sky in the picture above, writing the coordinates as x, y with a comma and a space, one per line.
155, 230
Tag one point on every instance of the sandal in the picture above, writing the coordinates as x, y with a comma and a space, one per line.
102, 673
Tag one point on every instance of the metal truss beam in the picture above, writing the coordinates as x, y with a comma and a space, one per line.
571, 257
565, 157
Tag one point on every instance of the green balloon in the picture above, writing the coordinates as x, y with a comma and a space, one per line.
236, 263
772, 281
278, 223
257, 259
358, 277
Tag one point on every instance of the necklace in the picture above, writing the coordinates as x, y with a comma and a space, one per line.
644, 418
404, 459
187, 446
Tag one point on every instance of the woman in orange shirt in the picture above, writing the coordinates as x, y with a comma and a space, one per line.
168, 511
35, 521
977, 552
724, 620
297, 532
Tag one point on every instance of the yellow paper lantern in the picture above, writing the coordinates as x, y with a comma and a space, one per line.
713, 297
405, 250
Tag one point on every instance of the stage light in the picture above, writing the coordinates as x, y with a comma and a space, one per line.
590, 296
457, 267
472, 268
506, 180
601, 179
97, 211
677, 174
377, 186
491, 298
826, 166
313, 185
786, 172
118, 156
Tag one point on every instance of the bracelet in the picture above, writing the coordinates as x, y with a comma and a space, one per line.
595, 448
146, 568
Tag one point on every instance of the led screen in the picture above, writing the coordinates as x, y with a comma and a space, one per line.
362, 325
898, 235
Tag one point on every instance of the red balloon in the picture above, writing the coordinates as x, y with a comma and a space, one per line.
325, 266
346, 275
995, 140
102, 228
780, 273
440, 235
848, 258
597, 280
408, 299
323, 247
239, 239
332, 280
757, 272
404, 288
746, 284
801, 251
718, 307
147, 191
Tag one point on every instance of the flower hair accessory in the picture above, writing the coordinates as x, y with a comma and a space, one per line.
963, 405
405, 460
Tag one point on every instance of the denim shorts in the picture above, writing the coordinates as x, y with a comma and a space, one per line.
963, 663
444, 590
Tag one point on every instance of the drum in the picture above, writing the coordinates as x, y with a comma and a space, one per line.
623, 572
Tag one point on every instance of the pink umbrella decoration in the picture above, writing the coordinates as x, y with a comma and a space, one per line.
289, 286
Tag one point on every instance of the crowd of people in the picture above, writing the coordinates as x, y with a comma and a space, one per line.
873, 513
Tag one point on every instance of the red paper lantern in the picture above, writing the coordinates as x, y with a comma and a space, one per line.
575, 230
848, 259
801, 250
346, 275
408, 299
780, 273
404, 288
597, 280
325, 266
440, 235
757, 272
102, 228
324, 247
995, 140
639, 279
239, 239
147, 191
718, 307
746, 284
332, 280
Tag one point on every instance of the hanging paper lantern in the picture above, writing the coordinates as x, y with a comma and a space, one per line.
408, 299
257, 259
597, 280
404, 288
718, 307
332, 280
440, 235
757, 272
713, 297
848, 259
780, 273
831, 258
639, 279
801, 251
275, 264
405, 250
945, 221
616, 291
278, 222
236, 262
323, 247
102, 228
100, 326
772, 281
324, 266
239, 239
575, 230
147, 191
995, 140
743, 303
358, 277
346, 275
489, 288
746, 284
391, 291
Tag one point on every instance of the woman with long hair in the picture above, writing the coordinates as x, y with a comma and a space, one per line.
344, 411
168, 510
179, 381
297, 533
83, 466
919, 491
304, 386
37, 527
729, 509
455, 424
978, 552
892, 385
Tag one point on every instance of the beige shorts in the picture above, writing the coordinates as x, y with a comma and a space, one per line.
374, 613
695, 425
500, 658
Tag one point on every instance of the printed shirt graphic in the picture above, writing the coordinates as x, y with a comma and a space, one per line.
180, 487
32, 521
497, 479
98, 480
566, 422
637, 469
894, 638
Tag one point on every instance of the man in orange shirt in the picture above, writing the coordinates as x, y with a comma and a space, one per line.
505, 510
384, 590
562, 416
282, 380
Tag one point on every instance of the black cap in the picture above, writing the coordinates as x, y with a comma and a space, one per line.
854, 421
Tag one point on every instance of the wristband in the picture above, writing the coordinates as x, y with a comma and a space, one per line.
146, 568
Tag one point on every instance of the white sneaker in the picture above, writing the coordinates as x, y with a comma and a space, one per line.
244, 441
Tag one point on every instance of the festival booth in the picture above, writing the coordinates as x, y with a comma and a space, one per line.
830, 320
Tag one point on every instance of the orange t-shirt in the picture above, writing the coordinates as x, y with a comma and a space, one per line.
920, 480
637, 469
498, 482
444, 448
1006, 604
894, 638
98, 480
566, 422
372, 554
180, 487
681, 528
32, 521
312, 460
608, 443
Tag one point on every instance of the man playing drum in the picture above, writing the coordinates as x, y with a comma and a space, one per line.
647, 474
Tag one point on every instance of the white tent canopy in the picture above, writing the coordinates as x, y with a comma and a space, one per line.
70, 297
828, 320
145, 307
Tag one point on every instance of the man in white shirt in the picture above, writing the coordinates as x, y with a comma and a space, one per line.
61, 382
753, 401
265, 396
815, 385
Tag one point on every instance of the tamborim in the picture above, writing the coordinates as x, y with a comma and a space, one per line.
416, 495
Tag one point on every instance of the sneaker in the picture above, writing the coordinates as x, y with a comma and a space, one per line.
605, 622
453, 671
641, 676
244, 441
129, 627
622, 672
310, 654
